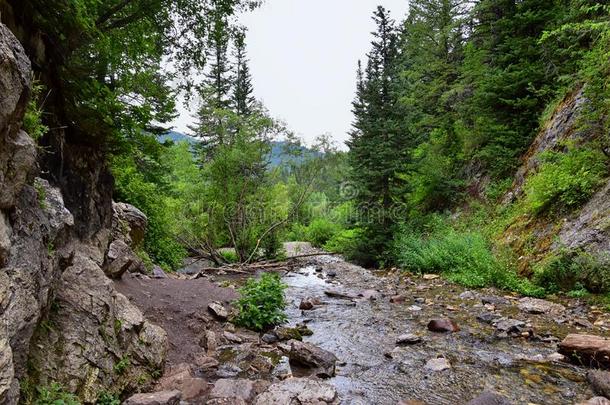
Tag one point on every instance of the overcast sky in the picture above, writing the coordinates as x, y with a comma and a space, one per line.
303, 56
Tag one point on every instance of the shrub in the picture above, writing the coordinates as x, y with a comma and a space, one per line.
349, 243
572, 271
229, 256
262, 303
321, 230
54, 394
108, 399
464, 257
565, 180
32, 120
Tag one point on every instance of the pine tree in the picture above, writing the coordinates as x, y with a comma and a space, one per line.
215, 98
243, 99
376, 145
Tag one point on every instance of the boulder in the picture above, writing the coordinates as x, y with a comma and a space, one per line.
180, 378
118, 259
587, 350
131, 222
218, 310
510, 327
539, 306
309, 355
155, 398
301, 391
445, 325
91, 315
600, 382
233, 389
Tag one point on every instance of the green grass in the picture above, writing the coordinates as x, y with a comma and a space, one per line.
466, 258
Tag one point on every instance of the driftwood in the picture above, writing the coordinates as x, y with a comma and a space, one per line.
272, 265
587, 350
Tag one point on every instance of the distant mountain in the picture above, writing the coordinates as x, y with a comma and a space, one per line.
277, 157
176, 137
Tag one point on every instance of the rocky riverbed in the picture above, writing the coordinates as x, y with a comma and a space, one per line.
374, 338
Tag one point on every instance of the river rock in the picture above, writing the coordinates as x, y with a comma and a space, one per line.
489, 398
218, 310
270, 338
494, 300
430, 276
312, 356
282, 370
408, 339
302, 391
539, 306
155, 398
467, 295
397, 299
587, 350
438, 364
232, 337
371, 295
205, 362
309, 303
600, 382
445, 325
233, 389
488, 317
509, 326
340, 294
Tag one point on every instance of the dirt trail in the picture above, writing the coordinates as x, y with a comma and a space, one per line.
501, 347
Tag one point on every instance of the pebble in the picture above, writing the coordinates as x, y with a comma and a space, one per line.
408, 339
438, 364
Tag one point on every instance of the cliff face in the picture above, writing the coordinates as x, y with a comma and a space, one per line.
60, 318
588, 227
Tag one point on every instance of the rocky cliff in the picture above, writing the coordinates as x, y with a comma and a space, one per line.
586, 228
61, 319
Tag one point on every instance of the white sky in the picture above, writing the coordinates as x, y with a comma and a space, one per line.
303, 56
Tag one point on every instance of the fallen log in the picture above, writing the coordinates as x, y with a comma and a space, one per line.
587, 350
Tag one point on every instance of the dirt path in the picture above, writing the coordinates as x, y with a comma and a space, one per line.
501, 346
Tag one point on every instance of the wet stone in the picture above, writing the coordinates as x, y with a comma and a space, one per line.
438, 364
467, 295
443, 326
270, 338
600, 382
408, 339
539, 306
489, 398
488, 317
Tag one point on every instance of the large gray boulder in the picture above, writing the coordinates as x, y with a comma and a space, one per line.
306, 354
130, 222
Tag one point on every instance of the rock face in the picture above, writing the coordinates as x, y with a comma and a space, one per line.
60, 314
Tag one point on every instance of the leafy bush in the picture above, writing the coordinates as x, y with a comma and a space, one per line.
350, 243
108, 399
565, 180
262, 303
321, 230
54, 394
464, 257
229, 256
572, 271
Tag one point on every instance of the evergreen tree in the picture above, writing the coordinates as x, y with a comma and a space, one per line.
376, 145
243, 99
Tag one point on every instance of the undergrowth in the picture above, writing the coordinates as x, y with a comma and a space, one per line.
262, 303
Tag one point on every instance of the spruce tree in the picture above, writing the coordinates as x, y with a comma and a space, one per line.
243, 99
376, 145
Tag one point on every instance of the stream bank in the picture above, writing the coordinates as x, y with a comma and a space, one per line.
505, 344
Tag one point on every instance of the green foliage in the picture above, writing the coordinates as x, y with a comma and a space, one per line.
107, 399
262, 303
229, 256
574, 271
122, 365
54, 394
32, 121
320, 231
565, 180
351, 243
464, 257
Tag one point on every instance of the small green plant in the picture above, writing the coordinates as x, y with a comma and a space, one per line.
42, 195
32, 121
106, 398
54, 394
229, 256
262, 303
122, 365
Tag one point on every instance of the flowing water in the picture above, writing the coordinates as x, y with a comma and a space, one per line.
372, 369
